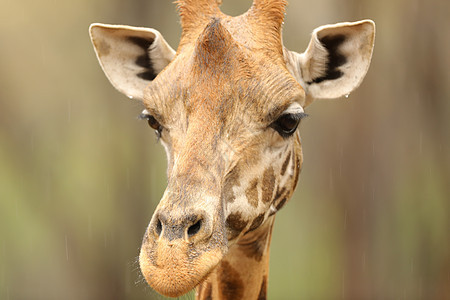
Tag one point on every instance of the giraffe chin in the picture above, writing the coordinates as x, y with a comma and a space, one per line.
174, 268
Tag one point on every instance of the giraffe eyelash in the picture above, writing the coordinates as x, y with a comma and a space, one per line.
152, 122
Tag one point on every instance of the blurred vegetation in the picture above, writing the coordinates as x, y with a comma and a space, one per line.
80, 175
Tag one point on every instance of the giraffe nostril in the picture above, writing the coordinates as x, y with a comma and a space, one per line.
158, 227
194, 229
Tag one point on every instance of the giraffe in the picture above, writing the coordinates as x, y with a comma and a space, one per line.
226, 106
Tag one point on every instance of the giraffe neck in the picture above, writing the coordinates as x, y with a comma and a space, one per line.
243, 273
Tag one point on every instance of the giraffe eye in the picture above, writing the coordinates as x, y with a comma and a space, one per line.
152, 122
286, 124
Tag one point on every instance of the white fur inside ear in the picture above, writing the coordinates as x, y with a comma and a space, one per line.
160, 53
336, 60
130, 56
314, 60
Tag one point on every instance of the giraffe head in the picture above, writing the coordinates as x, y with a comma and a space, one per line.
226, 106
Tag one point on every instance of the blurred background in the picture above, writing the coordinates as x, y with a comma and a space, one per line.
80, 175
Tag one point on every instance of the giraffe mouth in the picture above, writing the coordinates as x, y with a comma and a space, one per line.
174, 268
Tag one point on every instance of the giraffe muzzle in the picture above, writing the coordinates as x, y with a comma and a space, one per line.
178, 241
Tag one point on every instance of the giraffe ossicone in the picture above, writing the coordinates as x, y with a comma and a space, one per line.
226, 106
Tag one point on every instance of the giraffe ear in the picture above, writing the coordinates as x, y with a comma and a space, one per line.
336, 60
131, 57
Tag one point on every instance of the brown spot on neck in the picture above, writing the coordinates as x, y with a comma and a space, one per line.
252, 193
235, 224
280, 193
281, 204
285, 164
254, 245
231, 181
231, 286
257, 222
280, 199
263, 291
297, 168
268, 185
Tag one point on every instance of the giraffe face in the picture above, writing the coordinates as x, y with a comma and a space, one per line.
226, 106
233, 149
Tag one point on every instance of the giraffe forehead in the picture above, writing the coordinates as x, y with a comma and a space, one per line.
238, 98
219, 72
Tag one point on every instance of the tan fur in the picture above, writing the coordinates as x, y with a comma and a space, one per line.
217, 101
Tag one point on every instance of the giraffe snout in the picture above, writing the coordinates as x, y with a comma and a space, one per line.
180, 239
